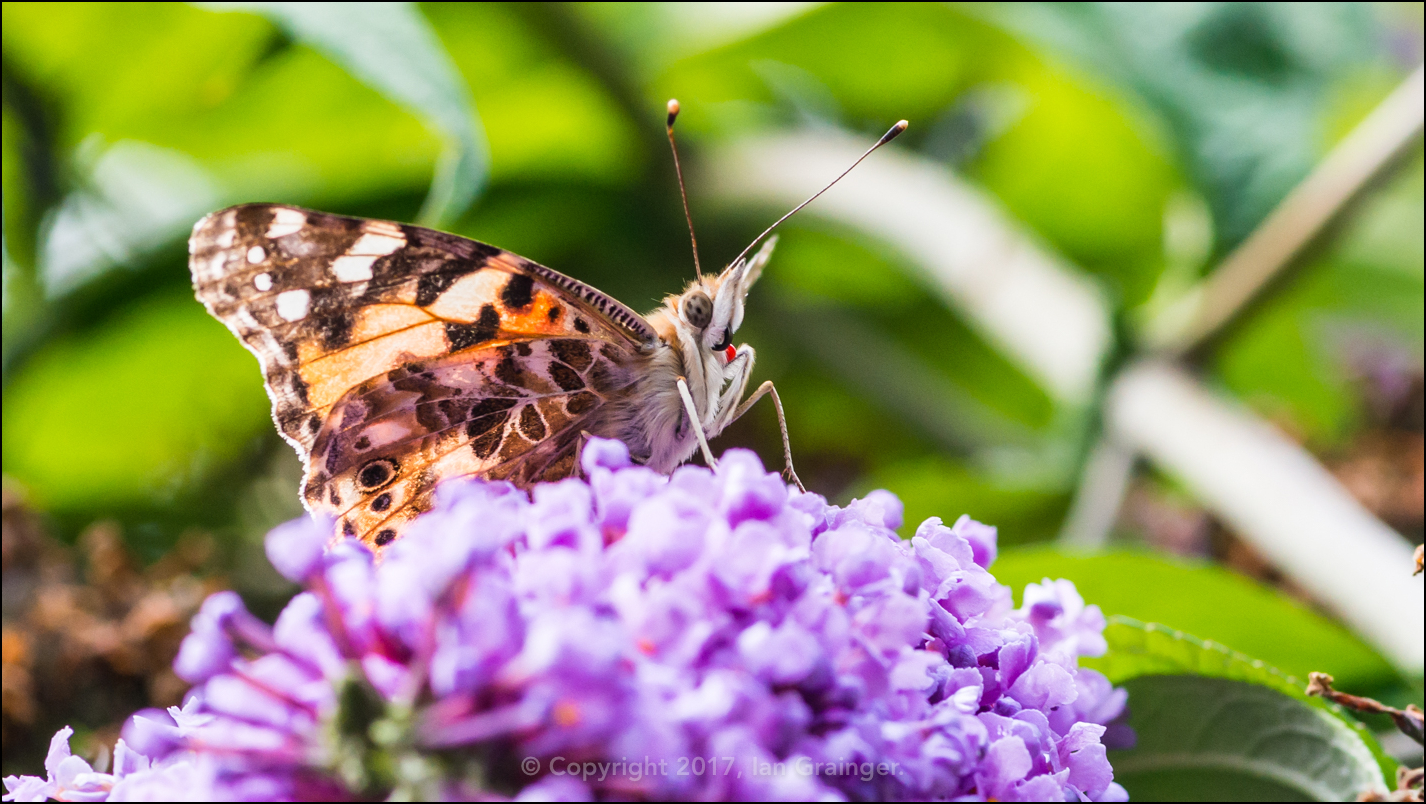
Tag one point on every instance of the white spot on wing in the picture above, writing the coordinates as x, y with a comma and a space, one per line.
384, 228
352, 268
463, 300
292, 304
263, 282
225, 238
256, 255
376, 244
285, 222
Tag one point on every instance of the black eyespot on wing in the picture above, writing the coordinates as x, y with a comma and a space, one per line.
484, 329
314, 424
581, 326
377, 473
347, 529
518, 292
384, 537
554, 314
382, 502
363, 444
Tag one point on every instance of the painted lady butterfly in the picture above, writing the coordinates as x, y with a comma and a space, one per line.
398, 356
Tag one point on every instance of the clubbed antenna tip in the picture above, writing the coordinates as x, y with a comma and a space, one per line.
890, 135
673, 112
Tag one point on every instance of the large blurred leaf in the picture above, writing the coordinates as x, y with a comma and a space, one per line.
134, 411
545, 118
1200, 738
1244, 88
877, 65
128, 70
390, 47
1209, 602
1080, 170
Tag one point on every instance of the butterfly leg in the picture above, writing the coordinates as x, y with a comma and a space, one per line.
767, 388
692, 411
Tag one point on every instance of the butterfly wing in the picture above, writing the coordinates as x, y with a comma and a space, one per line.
397, 356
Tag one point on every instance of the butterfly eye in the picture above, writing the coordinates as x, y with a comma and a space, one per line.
698, 309
725, 342
376, 474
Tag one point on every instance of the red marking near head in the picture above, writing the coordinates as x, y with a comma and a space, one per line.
731, 353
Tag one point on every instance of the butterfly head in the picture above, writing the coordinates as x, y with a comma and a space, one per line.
710, 310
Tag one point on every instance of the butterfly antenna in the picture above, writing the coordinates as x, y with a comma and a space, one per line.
672, 116
890, 135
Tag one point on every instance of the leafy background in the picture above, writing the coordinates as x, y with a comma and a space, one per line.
1140, 143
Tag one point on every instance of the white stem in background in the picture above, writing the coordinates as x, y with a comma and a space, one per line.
1370, 148
1277, 497
1049, 318
1103, 483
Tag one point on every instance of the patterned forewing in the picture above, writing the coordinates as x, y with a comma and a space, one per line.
331, 305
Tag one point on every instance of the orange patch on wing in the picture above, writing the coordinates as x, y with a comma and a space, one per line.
534, 319
329, 377
378, 320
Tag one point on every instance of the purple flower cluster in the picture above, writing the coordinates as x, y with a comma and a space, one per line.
705, 635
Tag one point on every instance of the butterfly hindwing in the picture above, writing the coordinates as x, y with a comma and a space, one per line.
505, 412
363, 323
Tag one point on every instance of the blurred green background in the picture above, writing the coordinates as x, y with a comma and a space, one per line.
1139, 142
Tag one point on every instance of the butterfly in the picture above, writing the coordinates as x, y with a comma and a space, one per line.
398, 356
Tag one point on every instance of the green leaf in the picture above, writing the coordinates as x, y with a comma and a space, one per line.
547, 119
391, 48
1203, 599
1081, 169
1141, 650
1201, 738
261, 119
136, 410
1241, 88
